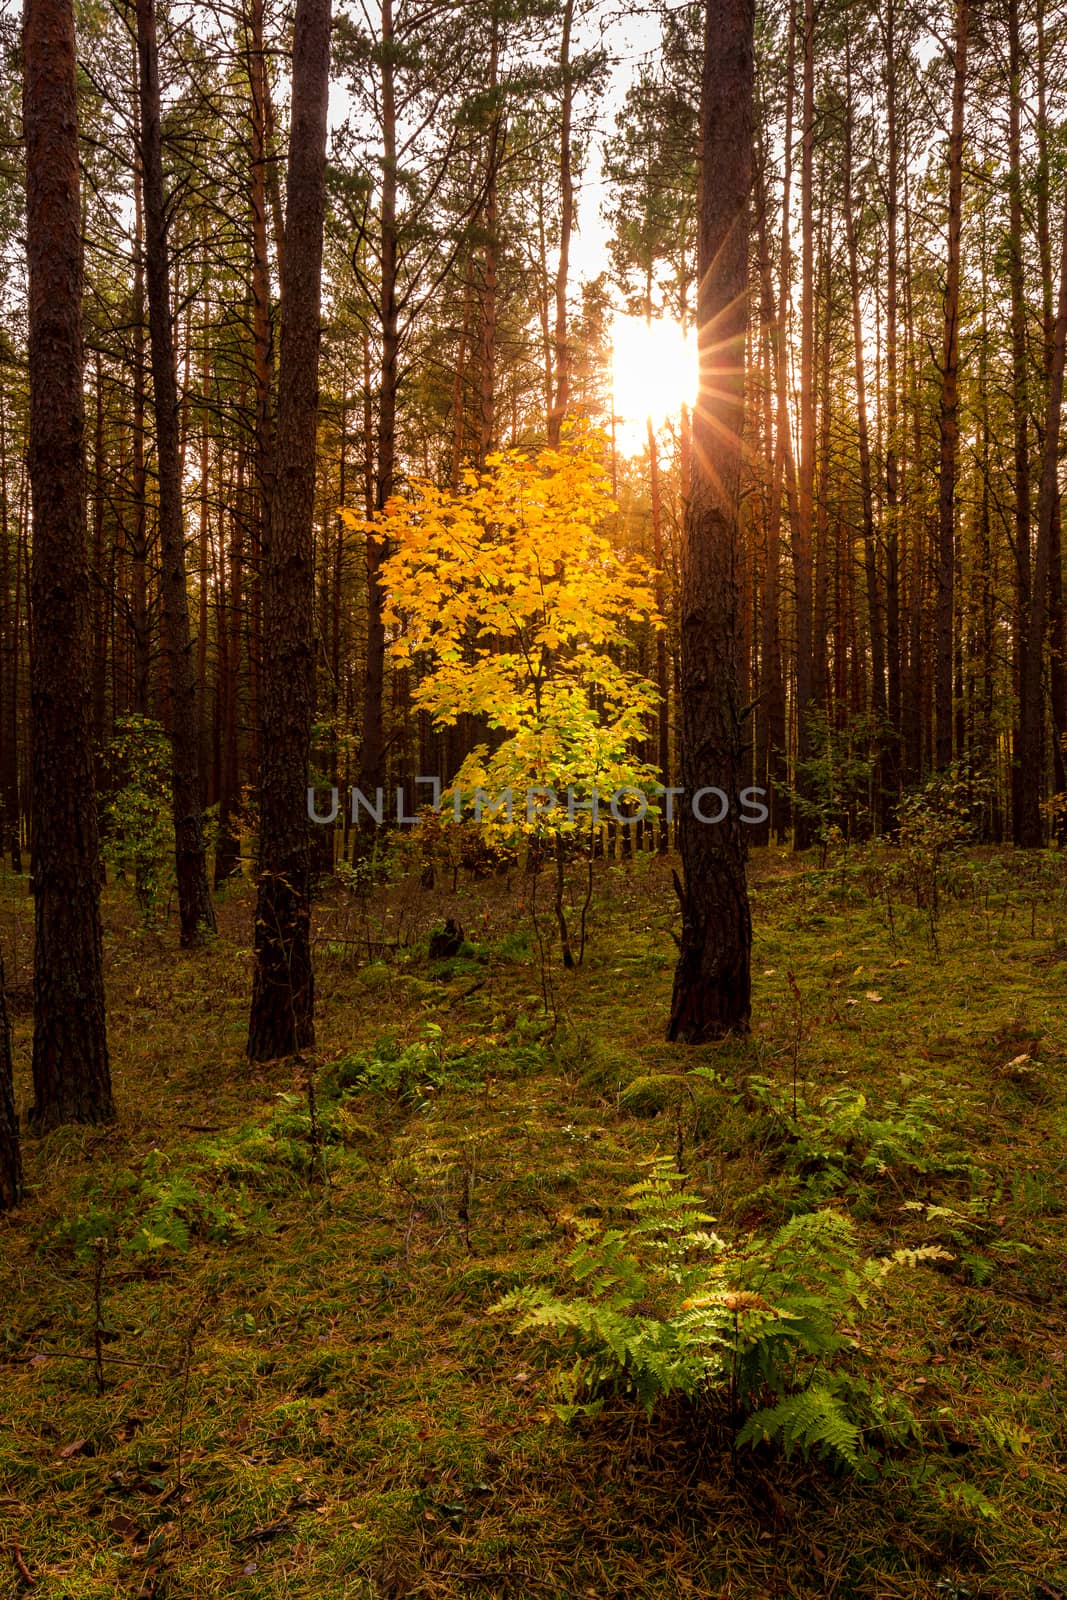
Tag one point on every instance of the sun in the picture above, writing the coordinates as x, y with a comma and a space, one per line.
654, 369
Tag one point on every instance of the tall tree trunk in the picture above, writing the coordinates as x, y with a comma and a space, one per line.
914, 679
1030, 719
142, 644
260, 282
372, 748
195, 911
1057, 612
949, 411
98, 579
892, 532
204, 546
802, 542
282, 1017
771, 687
825, 423
1020, 406
490, 273
228, 628
10, 1151
566, 226
663, 724
712, 989
784, 476
459, 378
874, 599
10, 626
71, 1073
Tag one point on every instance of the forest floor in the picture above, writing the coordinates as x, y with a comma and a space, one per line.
303, 1391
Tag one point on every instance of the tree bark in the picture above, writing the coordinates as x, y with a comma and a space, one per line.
195, 911
372, 746
949, 411
282, 1016
663, 721
1020, 404
1057, 614
490, 272
870, 560
802, 541
892, 531
1031, 721
139, 622
262, 359
10, 628
712, 989
10, 1150
784, 477
228, 628
566, 190
771, 685
71, 1074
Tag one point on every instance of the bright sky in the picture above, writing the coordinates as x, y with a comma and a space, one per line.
629, 40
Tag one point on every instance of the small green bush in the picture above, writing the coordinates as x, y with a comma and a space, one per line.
664, 1306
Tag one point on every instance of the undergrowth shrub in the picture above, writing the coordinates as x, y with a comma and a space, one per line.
137, 833
663, 1306
976, 1239
934, 824
157, 1210
841, 1142
408, 1074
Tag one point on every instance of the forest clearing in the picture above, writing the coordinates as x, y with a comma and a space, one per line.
306, 1390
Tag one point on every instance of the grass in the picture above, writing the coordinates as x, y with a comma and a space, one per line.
304, 1394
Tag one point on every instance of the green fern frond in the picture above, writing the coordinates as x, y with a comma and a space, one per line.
814, 1421
970, 1498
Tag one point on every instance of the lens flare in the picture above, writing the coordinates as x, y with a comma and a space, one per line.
654, 373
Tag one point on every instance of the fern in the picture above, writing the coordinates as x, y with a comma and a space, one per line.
840, 1139
621, 1342
662, 1306
970, 1498
814, 1421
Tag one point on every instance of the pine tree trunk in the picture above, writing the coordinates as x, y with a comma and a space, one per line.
561, 395
228, 627
372, 747
949, 411
712, 990
204, 560
802, 541
282, 1017
1057, 613
142, 644
663, 725
260, 279
490, 276
1031, 721
9, 667
459, 377
10, 1152
825, 423
1020, 405
784, 478
771, 689
892, 530
874, 598
71, 1074
195, 911
99, 595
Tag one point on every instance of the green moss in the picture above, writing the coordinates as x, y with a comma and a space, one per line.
648, 1096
